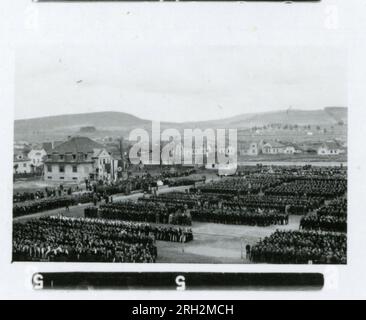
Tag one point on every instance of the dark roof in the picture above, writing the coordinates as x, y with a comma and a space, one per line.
76, 145
275, 144
330, 145
47, 146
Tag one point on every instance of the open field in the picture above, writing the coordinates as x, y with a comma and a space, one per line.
217, 243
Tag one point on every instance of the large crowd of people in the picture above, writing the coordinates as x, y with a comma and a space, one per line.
324, 223
178, 199
332, 217
28, 196
287, 204
182, 181
145, 212
35, 206
301, 247
251, 218
47, 192
162, 230
242, 185
126, 231
167, 174
315, 187
335, 208
82, 240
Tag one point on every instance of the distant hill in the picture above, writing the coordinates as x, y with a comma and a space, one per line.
77, 121
338, 113
112, 123
326, 116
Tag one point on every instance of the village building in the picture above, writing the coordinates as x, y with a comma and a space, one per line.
37, 157
248, 148
273, 147
22, 164
329, 148
78, 159
291, 148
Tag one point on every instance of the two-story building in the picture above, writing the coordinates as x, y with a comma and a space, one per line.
22, 164
248, 148
78, 159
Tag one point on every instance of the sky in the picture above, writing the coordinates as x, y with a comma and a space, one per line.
177, 83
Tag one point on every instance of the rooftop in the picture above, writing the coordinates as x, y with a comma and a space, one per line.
77, 145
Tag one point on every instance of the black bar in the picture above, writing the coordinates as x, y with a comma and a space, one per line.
170, 281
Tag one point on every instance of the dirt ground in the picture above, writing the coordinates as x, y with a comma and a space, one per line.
217, 243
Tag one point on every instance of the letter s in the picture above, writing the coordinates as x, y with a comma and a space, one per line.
37, 281
181, 283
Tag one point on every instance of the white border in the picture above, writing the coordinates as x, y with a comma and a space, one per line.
331, 22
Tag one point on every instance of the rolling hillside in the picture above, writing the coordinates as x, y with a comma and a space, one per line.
119, 123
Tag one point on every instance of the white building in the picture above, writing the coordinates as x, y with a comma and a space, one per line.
37, 157
22, 164
329, 148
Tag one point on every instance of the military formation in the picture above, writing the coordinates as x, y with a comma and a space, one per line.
127, 231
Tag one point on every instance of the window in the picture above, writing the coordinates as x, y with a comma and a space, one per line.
61, 157
74, 178
49, 168
62, 178
86, 156
74, 169
74, 156
24, 165
62, 169
49, 178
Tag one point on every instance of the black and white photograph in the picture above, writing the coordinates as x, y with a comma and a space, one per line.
214, 154
182, 151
